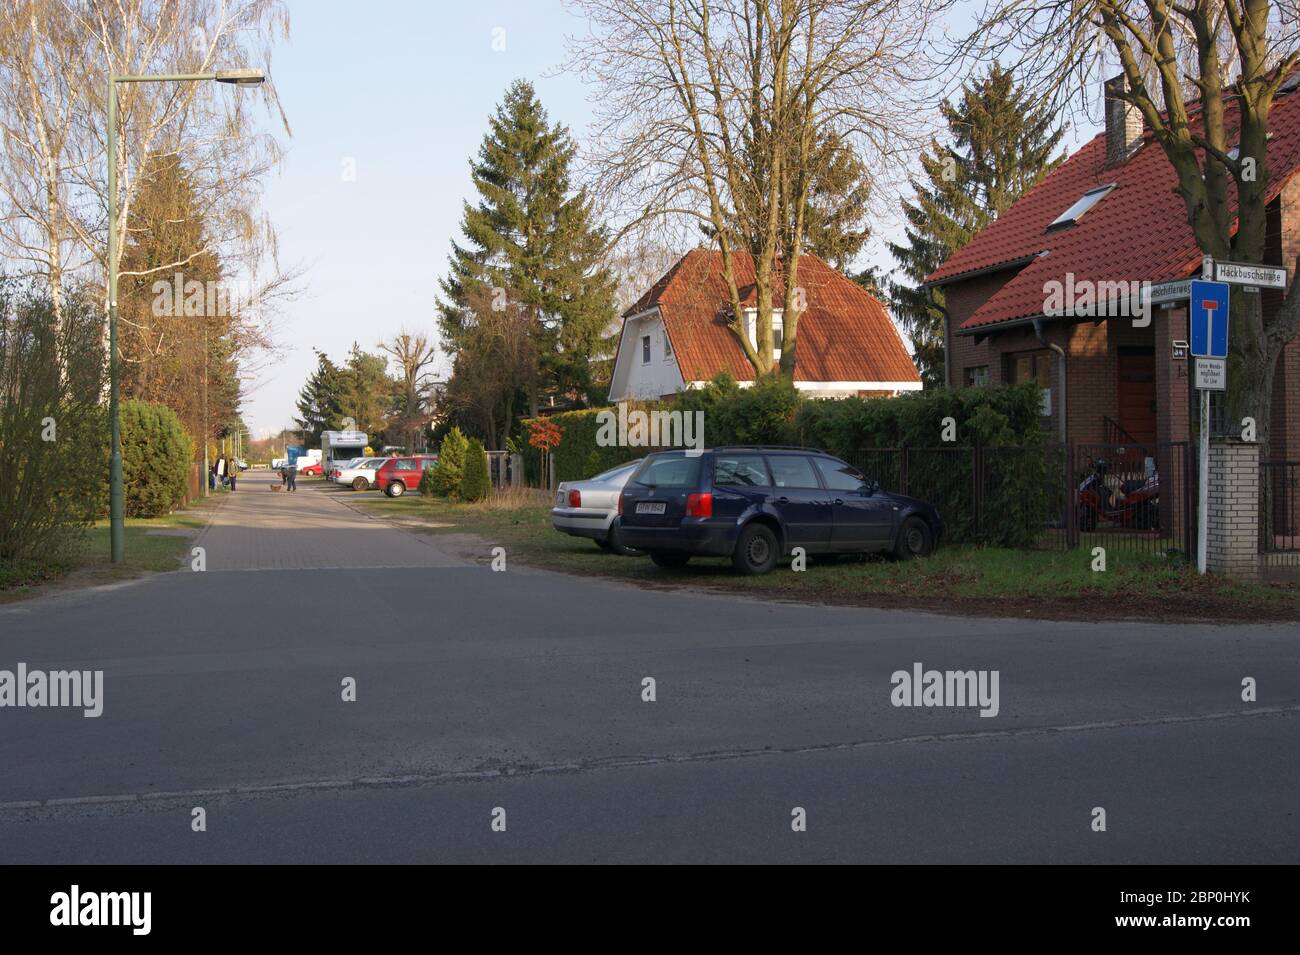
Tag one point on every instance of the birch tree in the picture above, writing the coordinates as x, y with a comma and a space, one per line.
55, 58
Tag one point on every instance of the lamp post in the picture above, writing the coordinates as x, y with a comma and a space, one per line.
240, 77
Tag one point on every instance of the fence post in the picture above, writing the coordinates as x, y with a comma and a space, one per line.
1071, 500
903, 479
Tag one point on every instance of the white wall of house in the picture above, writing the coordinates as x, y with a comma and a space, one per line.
634, 376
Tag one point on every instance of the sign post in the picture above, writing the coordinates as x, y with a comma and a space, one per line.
1208, 317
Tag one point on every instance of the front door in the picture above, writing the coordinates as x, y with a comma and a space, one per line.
1136, 390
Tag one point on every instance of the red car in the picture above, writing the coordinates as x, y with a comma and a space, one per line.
310, 470
398, 475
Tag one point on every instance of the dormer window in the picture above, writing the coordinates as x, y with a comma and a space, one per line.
778, 328
1072, 215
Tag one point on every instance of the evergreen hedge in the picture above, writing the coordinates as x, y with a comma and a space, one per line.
476, 483
996, 481
157, 454
444, 477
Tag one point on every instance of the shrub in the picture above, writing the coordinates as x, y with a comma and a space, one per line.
427, 488
53, 434
450, 469
476, 483
156, 457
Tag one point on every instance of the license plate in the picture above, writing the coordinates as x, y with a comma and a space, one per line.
651, 507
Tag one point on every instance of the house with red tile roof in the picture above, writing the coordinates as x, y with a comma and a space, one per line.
676, 335
1105, 221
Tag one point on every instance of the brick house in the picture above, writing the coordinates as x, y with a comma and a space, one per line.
677, 335
1109, 215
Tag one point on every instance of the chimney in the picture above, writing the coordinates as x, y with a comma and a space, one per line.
1123, 124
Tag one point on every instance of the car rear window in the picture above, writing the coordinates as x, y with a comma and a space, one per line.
740, 470
675, 471
614, 473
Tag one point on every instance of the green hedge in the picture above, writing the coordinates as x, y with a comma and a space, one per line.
475, 483
157, 454
988, 469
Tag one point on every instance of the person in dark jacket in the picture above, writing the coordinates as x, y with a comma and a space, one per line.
291, 477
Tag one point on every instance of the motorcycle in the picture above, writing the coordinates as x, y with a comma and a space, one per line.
1136, 505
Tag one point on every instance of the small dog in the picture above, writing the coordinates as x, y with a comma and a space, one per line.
277, 487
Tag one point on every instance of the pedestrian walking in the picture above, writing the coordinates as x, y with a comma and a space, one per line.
232, 466
291, 477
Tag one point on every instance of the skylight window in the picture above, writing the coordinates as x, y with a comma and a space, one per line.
1089, 199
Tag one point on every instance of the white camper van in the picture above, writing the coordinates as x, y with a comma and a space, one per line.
339, 447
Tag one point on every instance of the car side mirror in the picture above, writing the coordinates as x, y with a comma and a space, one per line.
870, 487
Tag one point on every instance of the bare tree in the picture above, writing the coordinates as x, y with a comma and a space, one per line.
55, 57
413, 352
1183, 65
495, 368
710, 111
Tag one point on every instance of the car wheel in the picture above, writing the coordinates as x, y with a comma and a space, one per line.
396, 489
615, 541
669, 560
914, 539
603, 545
360, 484
756, 551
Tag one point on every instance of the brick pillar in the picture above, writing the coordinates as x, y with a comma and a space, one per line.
1233, 543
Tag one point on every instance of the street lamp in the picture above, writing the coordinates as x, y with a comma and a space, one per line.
116, 509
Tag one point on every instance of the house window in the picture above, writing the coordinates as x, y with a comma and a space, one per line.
778, 329
1030, 366
1085, 202
1033, 366
977, 377
645, 349
668, 346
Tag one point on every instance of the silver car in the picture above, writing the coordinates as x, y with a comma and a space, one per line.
590, 508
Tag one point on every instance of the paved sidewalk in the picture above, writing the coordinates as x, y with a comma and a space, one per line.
257, 529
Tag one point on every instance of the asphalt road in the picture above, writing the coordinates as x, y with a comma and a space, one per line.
522, 691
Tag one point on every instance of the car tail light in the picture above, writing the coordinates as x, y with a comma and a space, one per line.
620, 503
575, 498
699, 505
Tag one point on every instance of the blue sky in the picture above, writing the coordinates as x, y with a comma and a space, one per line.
403, 89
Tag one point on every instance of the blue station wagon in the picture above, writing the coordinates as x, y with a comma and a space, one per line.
756, 504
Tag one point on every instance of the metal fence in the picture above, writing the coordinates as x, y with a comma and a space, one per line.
1131, 498
1279, 512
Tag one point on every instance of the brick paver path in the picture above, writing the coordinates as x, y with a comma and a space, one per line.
257, 529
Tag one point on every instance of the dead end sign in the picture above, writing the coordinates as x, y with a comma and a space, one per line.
1209, 319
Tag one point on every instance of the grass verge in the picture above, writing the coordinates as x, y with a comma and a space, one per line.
151, 544
956, 579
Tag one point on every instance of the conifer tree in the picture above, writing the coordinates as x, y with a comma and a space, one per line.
320, 403
1001, 146
530, 247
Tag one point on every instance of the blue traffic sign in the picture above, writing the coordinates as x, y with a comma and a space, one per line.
1209, 319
